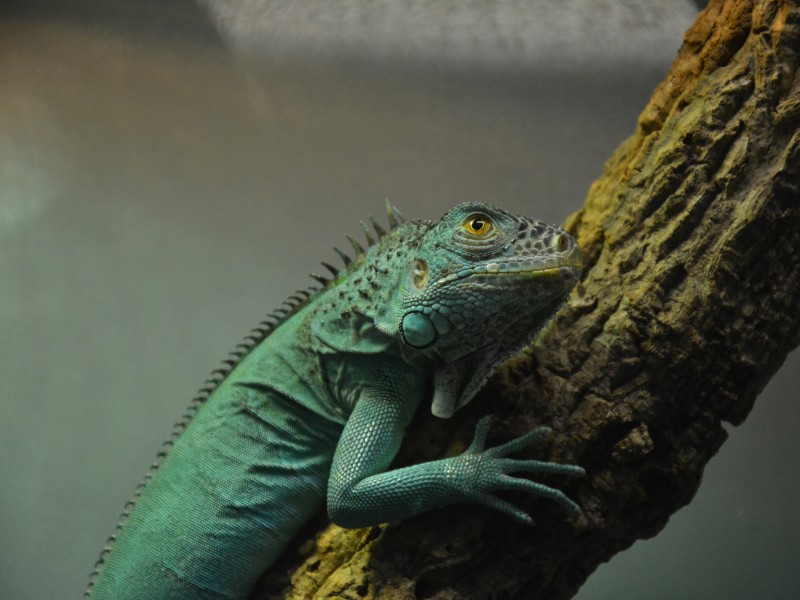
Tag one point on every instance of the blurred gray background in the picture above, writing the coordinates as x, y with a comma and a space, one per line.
171, 170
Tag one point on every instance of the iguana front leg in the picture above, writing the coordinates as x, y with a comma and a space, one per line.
362, 493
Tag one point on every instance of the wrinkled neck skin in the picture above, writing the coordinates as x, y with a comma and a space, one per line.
462, 371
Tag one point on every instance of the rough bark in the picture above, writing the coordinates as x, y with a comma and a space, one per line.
689, 303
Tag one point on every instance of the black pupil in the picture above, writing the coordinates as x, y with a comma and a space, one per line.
477, 224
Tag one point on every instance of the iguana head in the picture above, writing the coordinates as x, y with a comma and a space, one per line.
480, 285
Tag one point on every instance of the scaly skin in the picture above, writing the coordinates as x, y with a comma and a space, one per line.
317, 405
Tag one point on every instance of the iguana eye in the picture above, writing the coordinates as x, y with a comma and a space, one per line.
478, 224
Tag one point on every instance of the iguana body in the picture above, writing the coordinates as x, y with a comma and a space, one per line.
316, 405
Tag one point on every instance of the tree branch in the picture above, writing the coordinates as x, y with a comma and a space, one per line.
689, 304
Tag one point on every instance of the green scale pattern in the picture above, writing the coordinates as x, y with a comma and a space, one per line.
313, 408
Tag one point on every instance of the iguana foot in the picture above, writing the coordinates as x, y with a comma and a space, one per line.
479, 472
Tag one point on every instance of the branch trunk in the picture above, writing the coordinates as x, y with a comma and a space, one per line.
689, 303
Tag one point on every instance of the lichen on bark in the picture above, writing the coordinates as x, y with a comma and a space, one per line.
690, 301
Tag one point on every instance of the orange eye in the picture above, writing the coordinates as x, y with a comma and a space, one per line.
478, 224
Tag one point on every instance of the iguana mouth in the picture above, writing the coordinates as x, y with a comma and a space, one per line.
525, 269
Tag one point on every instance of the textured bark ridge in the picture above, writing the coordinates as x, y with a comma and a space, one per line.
689, 303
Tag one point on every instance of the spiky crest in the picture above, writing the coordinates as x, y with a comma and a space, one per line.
344, 257
357, 248
377, 227
367, 234
333, 270
394, 217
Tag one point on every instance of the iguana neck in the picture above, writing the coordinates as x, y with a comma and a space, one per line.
361, 313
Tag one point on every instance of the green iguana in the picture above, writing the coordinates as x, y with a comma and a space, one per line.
314, 403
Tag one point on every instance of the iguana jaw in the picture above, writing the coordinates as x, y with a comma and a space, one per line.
535, 268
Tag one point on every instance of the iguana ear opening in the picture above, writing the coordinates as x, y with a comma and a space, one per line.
389, 316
